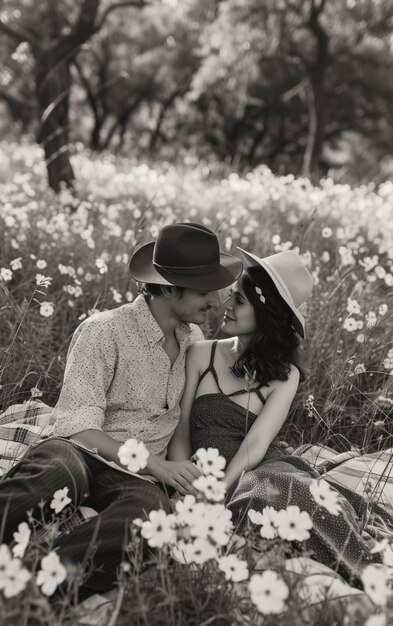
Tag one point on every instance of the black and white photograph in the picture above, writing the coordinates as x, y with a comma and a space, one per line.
196, 312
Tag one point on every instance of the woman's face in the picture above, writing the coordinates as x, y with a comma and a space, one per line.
239, 318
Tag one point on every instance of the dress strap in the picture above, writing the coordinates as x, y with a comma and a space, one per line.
210, 367
256, 389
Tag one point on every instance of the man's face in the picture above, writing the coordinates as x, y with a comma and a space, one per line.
192, 305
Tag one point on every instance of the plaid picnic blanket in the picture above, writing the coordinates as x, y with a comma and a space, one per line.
371, 475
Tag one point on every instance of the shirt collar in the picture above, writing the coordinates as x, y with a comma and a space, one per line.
148, 323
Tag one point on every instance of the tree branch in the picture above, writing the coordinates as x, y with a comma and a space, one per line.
13, 99
126, 3
19, 34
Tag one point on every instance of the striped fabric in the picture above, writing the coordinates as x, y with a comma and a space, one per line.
22, 425
369, 475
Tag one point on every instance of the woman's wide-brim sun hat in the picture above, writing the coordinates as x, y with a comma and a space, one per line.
291, 277
185, 255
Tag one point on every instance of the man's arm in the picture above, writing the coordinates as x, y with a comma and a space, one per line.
90, 368
179, 475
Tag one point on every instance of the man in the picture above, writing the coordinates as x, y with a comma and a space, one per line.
124, 378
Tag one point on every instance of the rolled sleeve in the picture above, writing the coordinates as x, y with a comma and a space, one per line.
90, 367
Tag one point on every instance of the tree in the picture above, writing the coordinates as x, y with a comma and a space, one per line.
278, 65
55, 32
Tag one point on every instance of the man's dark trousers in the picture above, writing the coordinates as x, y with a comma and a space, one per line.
119, 499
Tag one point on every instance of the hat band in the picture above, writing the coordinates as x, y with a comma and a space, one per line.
187, 271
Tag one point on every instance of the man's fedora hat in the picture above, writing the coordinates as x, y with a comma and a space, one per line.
185, 255
291, 277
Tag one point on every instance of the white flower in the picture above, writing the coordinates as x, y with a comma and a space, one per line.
199, 551
389, 280
371, 319
41, 264
350, 324
13, 577
347, 257
185, 513
327, 232
60, 500
325, 496
360, 338
5, 274
22, 537
209, 462
369, 262
375, 580
36, 393
117, 297
16, 264
353, 306
388, 555
379, 546
5, 560
293, 524
388, 360
133, 454
383, 309
255, 516
159, 529
46, 309
276, 239
325, 257
380, 271
212, 523
233, 568
51, 574
268, 592
359, 369
212, 488
179, 551
376, 620
102, 266
129, 296
268, 528
43, 281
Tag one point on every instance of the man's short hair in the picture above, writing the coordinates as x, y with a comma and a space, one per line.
152, 289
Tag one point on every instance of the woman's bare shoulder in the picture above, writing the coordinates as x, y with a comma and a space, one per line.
199, 350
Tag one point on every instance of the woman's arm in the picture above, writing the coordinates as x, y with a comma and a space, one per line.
179, 447
265, 429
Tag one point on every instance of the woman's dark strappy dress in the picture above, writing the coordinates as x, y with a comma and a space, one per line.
280, 480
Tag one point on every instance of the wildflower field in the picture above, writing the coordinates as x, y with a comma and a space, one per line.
64, 257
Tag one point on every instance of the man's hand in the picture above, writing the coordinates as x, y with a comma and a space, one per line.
178, 474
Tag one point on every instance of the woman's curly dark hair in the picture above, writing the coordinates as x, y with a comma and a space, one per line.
274, 346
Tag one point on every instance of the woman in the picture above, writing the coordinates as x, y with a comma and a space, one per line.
238, 394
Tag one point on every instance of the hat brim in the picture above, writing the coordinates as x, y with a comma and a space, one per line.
298, 319
142, 270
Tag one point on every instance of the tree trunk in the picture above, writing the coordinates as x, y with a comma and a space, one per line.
316, 126
53, 88
316, 91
